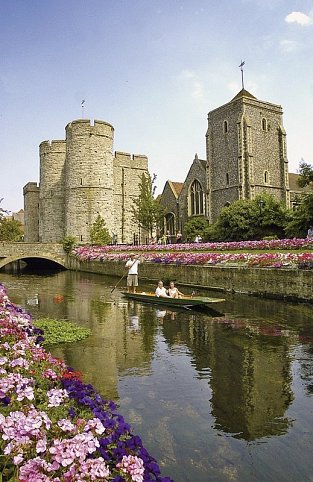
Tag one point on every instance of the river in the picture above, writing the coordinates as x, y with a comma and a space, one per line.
226, 398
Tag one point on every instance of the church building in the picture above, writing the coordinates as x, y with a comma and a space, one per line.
246, 156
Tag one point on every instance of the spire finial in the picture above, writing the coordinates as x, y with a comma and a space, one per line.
241, 68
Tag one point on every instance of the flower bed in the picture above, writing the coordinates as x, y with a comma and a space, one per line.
172, 255
52, 426
272, 244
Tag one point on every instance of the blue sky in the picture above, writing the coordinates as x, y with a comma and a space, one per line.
151, 68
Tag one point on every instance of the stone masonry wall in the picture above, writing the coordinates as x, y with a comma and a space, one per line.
88, 177
52, 199
245, 140
31, 212
293, 284
128, 170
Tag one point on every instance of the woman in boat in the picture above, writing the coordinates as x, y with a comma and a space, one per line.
160, 292
174, 292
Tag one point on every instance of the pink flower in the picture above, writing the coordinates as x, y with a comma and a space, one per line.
133, 466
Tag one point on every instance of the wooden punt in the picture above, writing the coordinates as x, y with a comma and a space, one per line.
188, 302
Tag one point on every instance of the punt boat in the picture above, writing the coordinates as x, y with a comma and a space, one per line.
187, 302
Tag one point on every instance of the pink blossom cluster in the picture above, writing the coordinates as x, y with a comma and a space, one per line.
133, 466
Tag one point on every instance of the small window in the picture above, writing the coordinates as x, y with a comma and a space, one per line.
265, 177
225, 126
81, 181
227, 179
264, 124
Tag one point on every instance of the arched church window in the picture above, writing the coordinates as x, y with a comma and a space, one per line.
264, 124
266, 177
170, 223
225, 126
196, 198
227, 179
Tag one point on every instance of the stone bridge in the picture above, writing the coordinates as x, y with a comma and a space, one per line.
10, 252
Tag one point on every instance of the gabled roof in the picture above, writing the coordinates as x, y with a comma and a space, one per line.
176, 187
243, 93
294, 186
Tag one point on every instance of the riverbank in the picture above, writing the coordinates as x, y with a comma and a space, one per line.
291, 284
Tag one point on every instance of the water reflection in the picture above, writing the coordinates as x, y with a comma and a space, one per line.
200, 390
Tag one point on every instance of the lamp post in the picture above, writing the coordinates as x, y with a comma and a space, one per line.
261, 205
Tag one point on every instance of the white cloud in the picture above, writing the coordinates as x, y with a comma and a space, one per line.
289, 45
196, 86
300, 18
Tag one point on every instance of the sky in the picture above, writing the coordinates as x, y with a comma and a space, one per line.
151, 68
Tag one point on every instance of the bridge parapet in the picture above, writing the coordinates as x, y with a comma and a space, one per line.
10, 252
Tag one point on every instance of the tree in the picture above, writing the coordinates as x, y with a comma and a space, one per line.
245, 219
306, 174
99, 234
147, 211
10, 230
300, 219
196, 226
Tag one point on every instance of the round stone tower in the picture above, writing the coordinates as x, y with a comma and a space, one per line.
88, 177
51, 198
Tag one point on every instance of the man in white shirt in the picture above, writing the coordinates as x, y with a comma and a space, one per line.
132, 277
161, 291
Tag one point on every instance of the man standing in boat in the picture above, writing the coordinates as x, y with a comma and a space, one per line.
132, 277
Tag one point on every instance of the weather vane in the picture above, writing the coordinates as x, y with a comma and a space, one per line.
241, 68
83, 105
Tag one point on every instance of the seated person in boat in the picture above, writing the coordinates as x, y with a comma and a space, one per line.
160, 292
174, 292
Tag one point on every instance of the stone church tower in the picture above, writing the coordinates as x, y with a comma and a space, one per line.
246, 153
81, 178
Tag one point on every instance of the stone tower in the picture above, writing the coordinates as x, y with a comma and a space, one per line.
89, 184
31, 212
51, 198
81, 178
246, 152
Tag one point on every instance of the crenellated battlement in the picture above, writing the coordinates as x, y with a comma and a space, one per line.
52, 146
30, 187
86, 127
134, 161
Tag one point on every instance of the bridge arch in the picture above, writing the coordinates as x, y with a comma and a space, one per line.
50, 259
28, 252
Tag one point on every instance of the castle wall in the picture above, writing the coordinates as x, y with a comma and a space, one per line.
31, 212
88, 177
51, 215
128, 170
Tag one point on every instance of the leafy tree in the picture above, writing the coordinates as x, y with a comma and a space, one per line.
196, 226
306, 174
99, 234
245, 219
147, 211
300, 219
68, 243
10, 230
